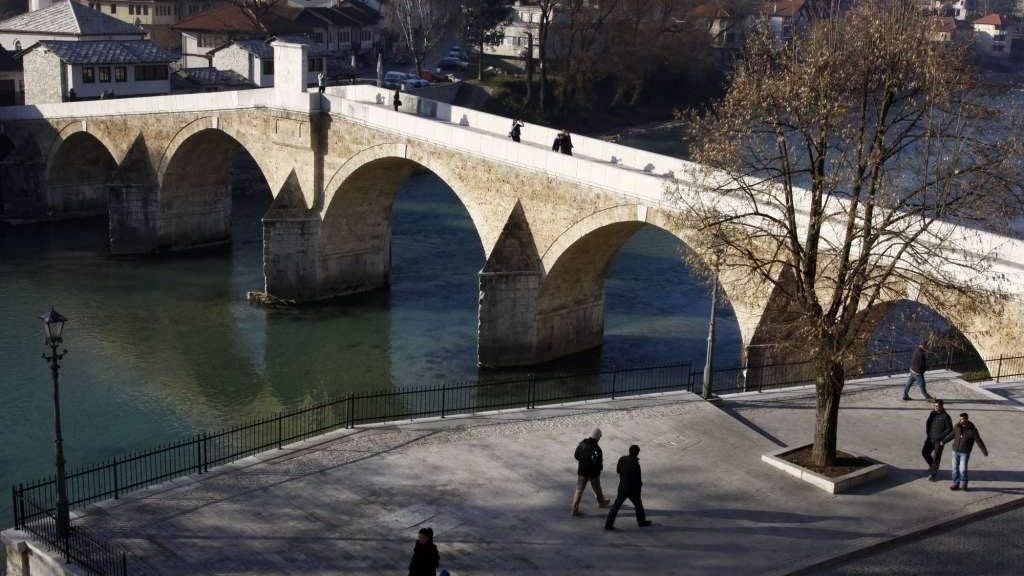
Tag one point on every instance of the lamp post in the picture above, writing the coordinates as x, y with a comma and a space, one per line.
53, 323
707, 392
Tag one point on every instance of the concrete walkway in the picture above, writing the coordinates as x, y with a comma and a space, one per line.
496, 490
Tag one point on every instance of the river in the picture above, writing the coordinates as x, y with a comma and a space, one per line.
160, 348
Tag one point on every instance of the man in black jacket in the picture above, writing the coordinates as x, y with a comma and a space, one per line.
964, 435
938, 426
591, 462
917, 369
630, 482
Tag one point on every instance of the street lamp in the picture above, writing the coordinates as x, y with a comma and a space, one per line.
706, 392
53, 324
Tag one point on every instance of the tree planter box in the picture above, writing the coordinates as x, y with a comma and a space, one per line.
836, 485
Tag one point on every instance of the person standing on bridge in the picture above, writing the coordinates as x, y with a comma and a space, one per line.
321, 81
591, 462
630, 483
964, 435
918, 366
938, 426
425, 558
517, 130
398, 97
566, 145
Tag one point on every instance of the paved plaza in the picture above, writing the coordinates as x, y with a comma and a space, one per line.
497, 488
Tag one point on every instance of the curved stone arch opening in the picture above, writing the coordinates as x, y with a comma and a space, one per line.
195, 187
572, 300
356, 227
78, 169
6, 146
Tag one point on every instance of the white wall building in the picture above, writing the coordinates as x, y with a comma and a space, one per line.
254, 60
91, 69
993, 35
64, 20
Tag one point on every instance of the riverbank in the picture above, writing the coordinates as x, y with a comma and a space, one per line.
496, 490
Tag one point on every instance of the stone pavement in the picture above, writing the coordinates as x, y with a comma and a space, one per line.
496, 490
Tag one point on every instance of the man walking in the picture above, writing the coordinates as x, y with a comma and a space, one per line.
917, 368
938, 426
321, 81
591, 462
397, 101
629, 487
963, 435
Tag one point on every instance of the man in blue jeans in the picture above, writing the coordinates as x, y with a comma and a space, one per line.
917, 368
964, 436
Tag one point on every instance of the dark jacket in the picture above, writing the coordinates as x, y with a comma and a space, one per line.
590, 457
920, 362
939, 425
964, 436
629, 474
425, 560
566, 145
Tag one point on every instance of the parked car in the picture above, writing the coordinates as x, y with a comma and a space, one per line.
451, 65
456, 53
394, 79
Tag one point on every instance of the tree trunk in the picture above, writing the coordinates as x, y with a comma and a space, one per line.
480, 61
529, 69
830, 377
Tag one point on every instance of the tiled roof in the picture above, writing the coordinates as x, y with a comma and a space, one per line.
212, 77
786, 8
360, 12
69, 18
107, 51
233, 18
993, 20
263, 49
710, 10
164, 36
317, 16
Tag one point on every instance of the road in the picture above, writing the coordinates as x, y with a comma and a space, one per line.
991, 546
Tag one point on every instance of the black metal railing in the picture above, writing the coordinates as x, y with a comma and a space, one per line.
76, 544
198, 453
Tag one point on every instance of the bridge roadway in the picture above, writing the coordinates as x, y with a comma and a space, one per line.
549, 224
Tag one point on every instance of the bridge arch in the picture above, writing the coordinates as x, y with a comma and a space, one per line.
572, 299
195, 177
356, 228
79, 166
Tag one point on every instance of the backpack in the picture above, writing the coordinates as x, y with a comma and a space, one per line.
586, 454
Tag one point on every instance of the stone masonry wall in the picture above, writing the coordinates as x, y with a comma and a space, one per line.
43, 78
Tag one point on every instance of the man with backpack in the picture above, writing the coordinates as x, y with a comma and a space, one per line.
591, 461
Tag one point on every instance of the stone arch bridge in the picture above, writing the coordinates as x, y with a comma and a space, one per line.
549, 224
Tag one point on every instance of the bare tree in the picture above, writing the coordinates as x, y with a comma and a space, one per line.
260, 14
583, 39
846, 168
547, 14
421, 24
482, 24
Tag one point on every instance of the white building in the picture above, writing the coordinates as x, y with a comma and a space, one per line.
254, 60
993, 35
64, 20
57, 71
346, 28
223, 24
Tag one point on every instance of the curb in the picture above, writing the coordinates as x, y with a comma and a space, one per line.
908, 537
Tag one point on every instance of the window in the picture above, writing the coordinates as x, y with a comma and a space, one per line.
344, 35
104, 74
318, 37
999, 38
113, 8
208, 40
88, 75
131, 9
367, 35
120, 74
268, 66
145, 10
997, 47
316, 64
145, 72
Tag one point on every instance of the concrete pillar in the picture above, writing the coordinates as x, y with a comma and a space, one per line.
291, 255
571, 329
23, 189
360, 265
507, 331
290, 66
134, 218
195, 216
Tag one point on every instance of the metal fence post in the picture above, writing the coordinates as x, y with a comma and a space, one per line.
124, 564
21, 503
613, 384
280, 416
114, 468
14, 505
999, 368
205, 451
531, 402
351, 410
444, 390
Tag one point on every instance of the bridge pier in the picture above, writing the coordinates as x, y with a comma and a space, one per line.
134, 217
291, 255
507, 329
571, 329
23, 193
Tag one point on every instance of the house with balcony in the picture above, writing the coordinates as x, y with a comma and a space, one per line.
224, 24
60, 70
66, 20
994, 34
345, 29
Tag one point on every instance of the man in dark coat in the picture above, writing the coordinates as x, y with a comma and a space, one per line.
938, 426
591, 462
917, 368
566, 145
964, 435
425, 558
630, 482
397, 102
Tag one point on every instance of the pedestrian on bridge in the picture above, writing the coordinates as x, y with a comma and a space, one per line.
517, 130
938, 426
964, 435
630, 482
917, 369
321, 81
425, 558
591, 462
566, 145
398, 97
